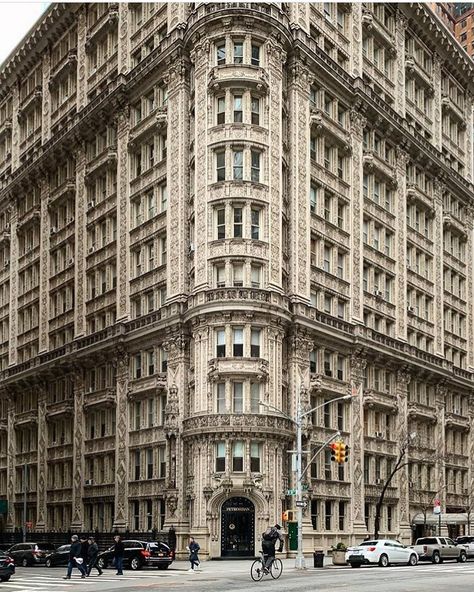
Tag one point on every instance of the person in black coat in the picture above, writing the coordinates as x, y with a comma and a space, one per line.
92, 552
119, 549
193, 549
75, 559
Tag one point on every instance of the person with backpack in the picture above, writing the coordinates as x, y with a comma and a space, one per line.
269, 539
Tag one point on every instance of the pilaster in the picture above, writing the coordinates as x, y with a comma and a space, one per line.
440, 444
81, 58
123, 216
403, 379
11, 465
78, 450
15, 126
469, 288
438, 243
80, 245
437, 107
358, 122
123, 38
400, 30
121, 443
46, 98
177, 13
468, 115
42, 471
44, 270
401, 246
13, 326
358, 365
299, 15
357, 63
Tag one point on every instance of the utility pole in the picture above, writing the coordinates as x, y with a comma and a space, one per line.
300, 415
25, 472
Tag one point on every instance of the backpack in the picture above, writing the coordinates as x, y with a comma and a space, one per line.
269, 535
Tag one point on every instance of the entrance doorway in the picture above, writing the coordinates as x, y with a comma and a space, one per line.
237, 528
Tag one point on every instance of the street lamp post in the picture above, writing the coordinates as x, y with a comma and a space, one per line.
300, 415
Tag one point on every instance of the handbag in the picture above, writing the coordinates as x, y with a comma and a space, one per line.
79, 560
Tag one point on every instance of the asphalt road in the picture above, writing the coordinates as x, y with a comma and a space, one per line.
234, 576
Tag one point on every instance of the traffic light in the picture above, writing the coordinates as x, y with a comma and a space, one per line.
345, 452
284, 516
333, 448
339, 453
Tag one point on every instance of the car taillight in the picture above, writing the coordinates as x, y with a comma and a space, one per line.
145, 553
172, 554
9, 560
425, 548
371, 548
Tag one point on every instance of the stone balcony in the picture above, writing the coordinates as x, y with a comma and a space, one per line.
142, 386
373, 162
238, 75
106, 158
378, 399
59, 409
237, 366
217, 424
425, 412
67, 188
374, 491
457, 421
322, 123
104, 398
156, 120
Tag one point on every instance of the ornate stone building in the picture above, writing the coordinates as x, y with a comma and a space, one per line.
208, 206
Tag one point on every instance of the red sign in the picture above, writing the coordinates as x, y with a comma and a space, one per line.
437, 502
29, 524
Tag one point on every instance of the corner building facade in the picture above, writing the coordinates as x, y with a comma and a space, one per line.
208, 206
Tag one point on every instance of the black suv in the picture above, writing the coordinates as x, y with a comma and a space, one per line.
138, 554
30, 553
58, 557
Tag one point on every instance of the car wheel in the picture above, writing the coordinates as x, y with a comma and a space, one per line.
462, 558
413, 560
436, 558
4, 578
24, 562
135, 563
355, 564
102, 563
48, 563
383, 560
164, 566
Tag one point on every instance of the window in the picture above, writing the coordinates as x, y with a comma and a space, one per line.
255, 219
137, 465
238, 273
138, 365
220, 341
238, 52
220, 165
238, 397
254, 397
238, 341
221, 407
150, 362
255, 55
220, 110
163, 196
312, 361
255, 168
255, 110
255, 343
220, 276
327, 259
149, 463
220, 223
238, 222
255, 457
238, 109
255, 275
342, 515
220, 53
328, 515
220, 457
313, 193
238, 158
238, 456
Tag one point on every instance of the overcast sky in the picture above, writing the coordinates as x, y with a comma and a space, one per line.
16, 19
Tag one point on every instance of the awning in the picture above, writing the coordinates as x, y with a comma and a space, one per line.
446, 519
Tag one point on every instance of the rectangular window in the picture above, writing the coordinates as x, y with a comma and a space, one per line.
220, 340
255, 110
238, 109
313, 193
238, 457
238, 341
220, 53
238, 166
220, 223
220, 165
255, 55
255, 343
254, 397
238, 397
327, 259
220, 110
342, 515
149, 463
150, 362
220, 457
138, 365
328, 515
255, 448
255, 168
312, 361
255, 219
220, 276
221, 407
238, 274
256, 275
238, 222
238, 52
137, 465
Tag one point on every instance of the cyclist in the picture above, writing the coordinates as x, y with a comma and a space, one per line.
269, 539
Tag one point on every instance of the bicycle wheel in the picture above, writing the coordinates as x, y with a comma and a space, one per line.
256, 571
276, 568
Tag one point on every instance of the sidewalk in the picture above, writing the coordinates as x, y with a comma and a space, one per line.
242, 565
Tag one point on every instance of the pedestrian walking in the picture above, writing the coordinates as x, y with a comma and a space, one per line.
193, 549
84, 549
92, 553
75, 559
119, 548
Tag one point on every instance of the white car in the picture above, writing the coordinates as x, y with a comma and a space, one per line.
468, 543
382, 552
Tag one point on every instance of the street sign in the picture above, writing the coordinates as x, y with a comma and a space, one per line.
291, 492
300, 504
437, 507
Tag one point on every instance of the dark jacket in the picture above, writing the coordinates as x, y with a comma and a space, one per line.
92, 552
75, 550
119, 549
84, 550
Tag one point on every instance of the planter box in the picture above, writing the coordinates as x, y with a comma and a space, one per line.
339, 558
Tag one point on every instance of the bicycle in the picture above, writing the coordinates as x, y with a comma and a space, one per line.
258, 569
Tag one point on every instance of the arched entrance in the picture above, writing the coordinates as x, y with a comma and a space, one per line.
237, 528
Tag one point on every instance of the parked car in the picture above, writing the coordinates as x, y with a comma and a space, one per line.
30, 553
58, 557
468, 543
439, 549
382, 552
139, 554
7, 567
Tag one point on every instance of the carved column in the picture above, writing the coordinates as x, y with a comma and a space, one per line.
11, 458
13, 327
81, 58
121, 444
299, 15
299, 182
401, 246
400, 29
46, 99
357, 210
358, 364
403, 379
177, 174
44, 270
123, 38
470, 440
440, 444
177, 14
15, 126
468, 142
80, 282
272, 389
42, 474
78, 450
438, 264
123, 216
469, 289
276, 57
357, 34
437, 103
